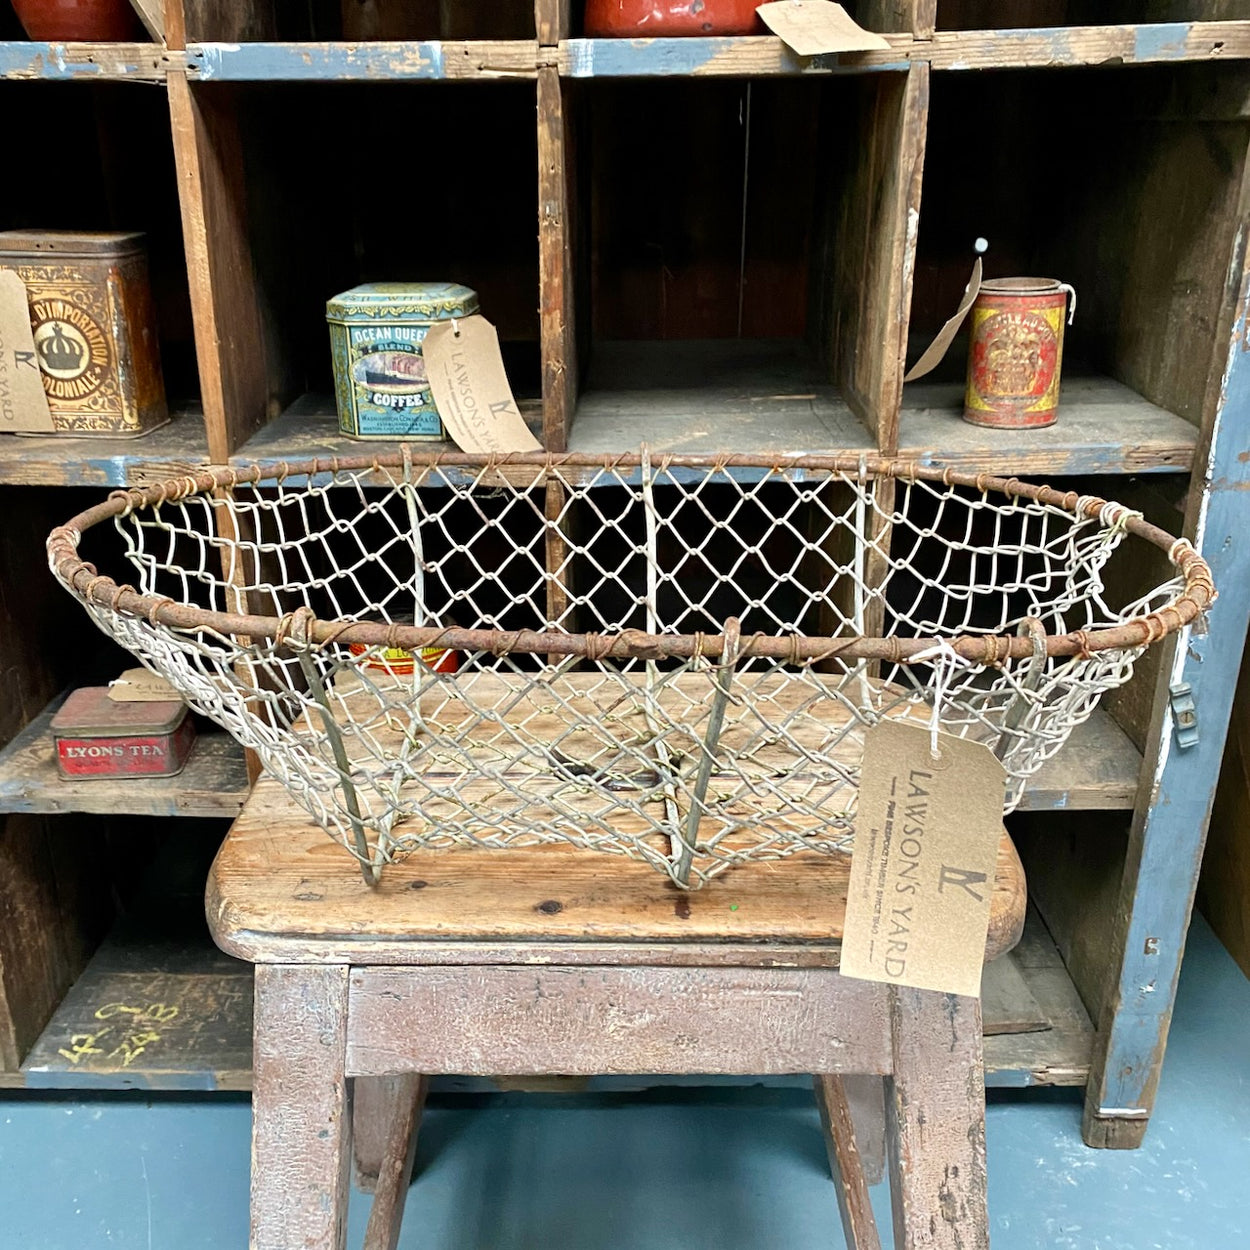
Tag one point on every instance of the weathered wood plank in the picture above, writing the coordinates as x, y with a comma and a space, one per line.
1059, 46
1169, 825
1103, 427
213, 783
229, 337
849, 1176
150, 1015
874, 250
395, 60
1027, 48
1224, 889
555, 249
1059, 1055
604, 1020
54, 460
935, 1123
405, 1100
280, 887
89, 62
301, 1116
1007, 1003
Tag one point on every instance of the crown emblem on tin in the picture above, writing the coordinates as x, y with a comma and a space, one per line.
59, 352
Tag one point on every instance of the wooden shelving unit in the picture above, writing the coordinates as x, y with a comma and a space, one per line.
663, 271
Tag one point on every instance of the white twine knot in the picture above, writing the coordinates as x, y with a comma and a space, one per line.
946, 662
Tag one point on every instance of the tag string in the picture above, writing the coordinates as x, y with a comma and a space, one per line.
946, 662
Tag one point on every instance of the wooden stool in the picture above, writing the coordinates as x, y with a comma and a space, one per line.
562, 961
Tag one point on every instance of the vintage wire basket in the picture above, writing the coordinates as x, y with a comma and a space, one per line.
672, 658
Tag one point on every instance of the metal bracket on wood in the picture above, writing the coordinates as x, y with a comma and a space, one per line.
1184, 714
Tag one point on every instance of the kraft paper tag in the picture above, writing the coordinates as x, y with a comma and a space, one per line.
137, 685
471, 389
924, 862
816, 27
946, 335
23, 403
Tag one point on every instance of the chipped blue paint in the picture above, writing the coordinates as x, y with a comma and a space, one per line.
1171, 827
650, 58
1165, 41
314, 62
63, 62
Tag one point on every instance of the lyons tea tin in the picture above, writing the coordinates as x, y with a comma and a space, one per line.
94, 328
97, 736
376, 332
1015, 353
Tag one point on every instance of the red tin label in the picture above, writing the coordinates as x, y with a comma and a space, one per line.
1014, 358
143, 755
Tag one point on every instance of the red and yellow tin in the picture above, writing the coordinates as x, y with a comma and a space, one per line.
98, 737
400, 662
1015, 353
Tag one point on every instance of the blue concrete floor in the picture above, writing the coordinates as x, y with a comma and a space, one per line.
717, 1169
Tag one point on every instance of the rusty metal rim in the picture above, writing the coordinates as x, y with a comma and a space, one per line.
302, 628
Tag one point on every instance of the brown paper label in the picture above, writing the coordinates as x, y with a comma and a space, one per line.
923, 867
815, 27
23, 404
471, 389
946, 335
137, 685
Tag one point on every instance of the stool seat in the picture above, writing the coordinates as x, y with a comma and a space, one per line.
557, 960
281, 891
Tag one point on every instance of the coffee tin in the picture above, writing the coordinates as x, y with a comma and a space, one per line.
376, 332
1015, 353
99, 737
94, 328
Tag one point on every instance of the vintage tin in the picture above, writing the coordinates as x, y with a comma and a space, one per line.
1015, 353
646, 19
94, 327
399, 662
99, 737
376, 332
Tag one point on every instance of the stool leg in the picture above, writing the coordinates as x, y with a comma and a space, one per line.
398, 1102
301, 1122
858, 1222
935, 1122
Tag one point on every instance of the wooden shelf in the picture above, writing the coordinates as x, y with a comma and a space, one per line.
1096, 770
363, 62
741, 57
86, 62
1103, 427
1058, 1055
762, 396
310, 428
213, 783
158, 1014
167, 1014
61, 460
1036, 48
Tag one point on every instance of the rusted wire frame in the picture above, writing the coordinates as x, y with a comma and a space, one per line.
1197, 596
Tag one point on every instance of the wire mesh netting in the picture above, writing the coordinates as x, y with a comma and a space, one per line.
674, 660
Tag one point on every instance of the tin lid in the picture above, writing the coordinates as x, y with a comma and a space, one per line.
391, 301
1022, 286
89, 712
70, 242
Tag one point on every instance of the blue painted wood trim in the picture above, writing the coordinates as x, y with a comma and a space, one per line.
65, 62
315, 62
1172, 829
651, 58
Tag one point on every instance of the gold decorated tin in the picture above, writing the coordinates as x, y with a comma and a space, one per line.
94, 328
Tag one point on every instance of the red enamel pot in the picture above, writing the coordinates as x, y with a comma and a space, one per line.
644, 19
86, 21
